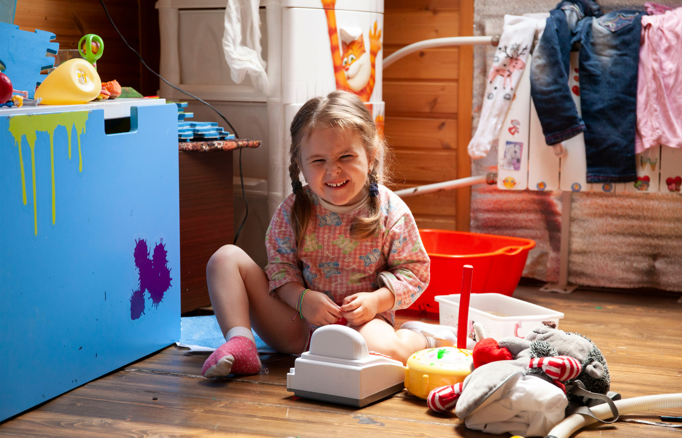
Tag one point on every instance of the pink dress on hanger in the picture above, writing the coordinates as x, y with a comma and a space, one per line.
659, 87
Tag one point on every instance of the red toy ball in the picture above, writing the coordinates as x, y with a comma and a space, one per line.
5, 88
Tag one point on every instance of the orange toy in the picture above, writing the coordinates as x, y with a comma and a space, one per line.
113, 87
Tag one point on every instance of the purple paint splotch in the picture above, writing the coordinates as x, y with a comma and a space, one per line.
154, 274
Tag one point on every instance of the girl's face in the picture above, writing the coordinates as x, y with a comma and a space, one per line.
335, 165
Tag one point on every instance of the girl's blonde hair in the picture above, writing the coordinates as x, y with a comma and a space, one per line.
340, 109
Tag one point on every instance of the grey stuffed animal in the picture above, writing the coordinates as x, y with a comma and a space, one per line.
492, 381
547, 341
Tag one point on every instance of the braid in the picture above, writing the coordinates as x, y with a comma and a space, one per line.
301, 211
374, 202
365, 227
294, 173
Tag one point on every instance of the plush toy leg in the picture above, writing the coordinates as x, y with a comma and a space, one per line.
444, 399
561, 368
236, 356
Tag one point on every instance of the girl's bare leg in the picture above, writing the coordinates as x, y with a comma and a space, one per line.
239, 294
238, 288
382, 338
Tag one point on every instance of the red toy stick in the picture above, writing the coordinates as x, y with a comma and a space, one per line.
463, 323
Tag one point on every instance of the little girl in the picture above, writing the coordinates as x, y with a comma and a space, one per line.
342, 249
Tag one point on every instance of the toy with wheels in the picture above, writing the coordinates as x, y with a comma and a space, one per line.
10, 97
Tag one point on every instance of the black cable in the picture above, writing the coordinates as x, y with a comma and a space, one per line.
234, 131
246, 204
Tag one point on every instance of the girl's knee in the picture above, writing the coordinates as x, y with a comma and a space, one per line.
229, 252
226, 255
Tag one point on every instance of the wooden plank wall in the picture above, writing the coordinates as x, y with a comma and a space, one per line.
206, 219
425, 93
71, 19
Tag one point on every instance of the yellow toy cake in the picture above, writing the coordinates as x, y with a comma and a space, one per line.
435, 367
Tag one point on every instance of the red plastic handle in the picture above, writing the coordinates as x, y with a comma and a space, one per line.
517, 326
510, 250
463, 320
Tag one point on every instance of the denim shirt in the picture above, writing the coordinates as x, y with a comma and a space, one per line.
609, 57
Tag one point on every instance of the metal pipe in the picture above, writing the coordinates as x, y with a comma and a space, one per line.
447, 185
430, 44
439, 42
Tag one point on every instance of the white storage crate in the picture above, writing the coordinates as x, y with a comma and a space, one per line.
500, 315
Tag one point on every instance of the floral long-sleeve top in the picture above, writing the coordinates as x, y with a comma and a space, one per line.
332, 262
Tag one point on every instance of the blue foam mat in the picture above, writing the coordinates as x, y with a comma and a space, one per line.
204, 331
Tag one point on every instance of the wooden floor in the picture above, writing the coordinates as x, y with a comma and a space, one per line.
165, 394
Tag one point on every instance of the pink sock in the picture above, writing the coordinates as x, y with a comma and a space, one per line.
236, 356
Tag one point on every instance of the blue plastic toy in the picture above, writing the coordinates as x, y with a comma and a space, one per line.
198, 131
23, 55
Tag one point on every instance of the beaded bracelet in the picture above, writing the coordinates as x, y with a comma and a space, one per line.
299, 305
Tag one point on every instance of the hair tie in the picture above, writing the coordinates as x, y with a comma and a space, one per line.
373, 190
296, 186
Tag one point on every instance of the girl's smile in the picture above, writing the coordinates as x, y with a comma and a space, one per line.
335, 165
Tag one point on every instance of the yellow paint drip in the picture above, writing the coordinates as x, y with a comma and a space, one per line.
29, 126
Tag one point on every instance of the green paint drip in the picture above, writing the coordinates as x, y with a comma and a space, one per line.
28, 126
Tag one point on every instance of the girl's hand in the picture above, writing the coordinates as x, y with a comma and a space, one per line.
318, 309
360, 308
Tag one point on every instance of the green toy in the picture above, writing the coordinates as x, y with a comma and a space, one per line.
91, 48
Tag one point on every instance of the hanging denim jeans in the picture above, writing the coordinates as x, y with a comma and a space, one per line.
609, 60
609, 56
550, 69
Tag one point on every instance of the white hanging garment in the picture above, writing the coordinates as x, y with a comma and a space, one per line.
510, 61
241, 43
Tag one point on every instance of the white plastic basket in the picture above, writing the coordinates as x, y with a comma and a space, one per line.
500, 315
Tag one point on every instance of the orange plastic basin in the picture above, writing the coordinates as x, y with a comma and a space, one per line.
498, 263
